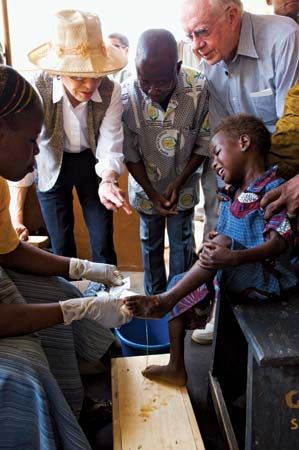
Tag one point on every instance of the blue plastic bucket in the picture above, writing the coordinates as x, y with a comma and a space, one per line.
132, 336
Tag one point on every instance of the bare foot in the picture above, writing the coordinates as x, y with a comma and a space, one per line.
166, 373
146, 306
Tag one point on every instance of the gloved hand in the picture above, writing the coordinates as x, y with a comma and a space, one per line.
104, 309
102, 273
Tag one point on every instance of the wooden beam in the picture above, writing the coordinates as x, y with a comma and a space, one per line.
7, 45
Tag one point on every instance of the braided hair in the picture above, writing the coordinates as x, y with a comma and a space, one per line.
16, 93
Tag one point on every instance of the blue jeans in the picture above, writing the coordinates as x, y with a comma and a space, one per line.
180, 234
78, 171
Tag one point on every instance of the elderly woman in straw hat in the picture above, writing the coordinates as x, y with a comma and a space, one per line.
40, 386
81, 139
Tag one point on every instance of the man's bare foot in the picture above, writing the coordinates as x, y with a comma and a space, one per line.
146, 306
166, 373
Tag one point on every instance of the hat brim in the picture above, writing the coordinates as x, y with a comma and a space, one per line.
107, 60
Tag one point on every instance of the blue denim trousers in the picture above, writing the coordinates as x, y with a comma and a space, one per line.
78, 170
180, 234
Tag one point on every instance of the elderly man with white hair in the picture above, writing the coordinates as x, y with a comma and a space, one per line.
250, 63
250, 60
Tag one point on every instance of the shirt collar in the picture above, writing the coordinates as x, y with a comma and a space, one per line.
256, 186
246, 46
259, 183
58, 92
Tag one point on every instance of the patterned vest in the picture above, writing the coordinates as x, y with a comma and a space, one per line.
49, 159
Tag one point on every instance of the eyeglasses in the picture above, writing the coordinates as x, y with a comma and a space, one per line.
202, 33
159, 87
119, 46
84, 79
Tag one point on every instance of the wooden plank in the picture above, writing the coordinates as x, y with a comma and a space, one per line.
150, 415
222, 413
115, 405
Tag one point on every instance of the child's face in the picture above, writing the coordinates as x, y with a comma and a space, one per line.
227, 158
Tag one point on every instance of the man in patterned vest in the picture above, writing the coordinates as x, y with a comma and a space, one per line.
81, 140
164, 145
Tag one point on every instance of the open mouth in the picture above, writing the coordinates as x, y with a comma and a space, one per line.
220, 172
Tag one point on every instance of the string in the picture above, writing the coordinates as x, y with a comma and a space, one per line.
146, 337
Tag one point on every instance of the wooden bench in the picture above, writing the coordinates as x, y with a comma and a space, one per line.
254, 379
148, 415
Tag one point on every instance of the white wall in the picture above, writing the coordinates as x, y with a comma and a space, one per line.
32, 19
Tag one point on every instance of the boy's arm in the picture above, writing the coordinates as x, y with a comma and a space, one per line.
173, 188
215, 256
161, 204
268, 250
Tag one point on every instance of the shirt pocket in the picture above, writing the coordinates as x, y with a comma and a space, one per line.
264, 105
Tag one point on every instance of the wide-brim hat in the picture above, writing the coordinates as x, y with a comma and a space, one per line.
77, 48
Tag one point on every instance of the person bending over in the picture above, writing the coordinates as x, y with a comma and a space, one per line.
45, 327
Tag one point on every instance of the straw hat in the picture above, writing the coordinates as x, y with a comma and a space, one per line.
77, 48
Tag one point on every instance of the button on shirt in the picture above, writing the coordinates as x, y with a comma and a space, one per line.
264, 68
165, 140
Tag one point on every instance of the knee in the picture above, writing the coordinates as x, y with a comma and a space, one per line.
223, 240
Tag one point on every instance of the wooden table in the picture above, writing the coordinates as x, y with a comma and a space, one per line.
149, 415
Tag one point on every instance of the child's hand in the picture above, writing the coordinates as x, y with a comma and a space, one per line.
215, 256
211, 235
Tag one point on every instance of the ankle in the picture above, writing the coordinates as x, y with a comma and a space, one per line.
167, 300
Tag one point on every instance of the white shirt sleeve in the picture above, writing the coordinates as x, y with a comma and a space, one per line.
110, 143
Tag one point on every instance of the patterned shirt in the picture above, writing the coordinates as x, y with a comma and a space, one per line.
242, 220
165, 140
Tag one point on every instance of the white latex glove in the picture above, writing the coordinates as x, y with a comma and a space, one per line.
104, 309
102, 273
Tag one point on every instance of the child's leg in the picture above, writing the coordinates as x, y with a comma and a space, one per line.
157, 306
174, 372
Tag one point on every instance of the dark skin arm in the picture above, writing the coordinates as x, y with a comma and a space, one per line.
215, 255
29, 259
173, 188
20, 319
16, 320
161, 203
285, 196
